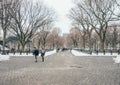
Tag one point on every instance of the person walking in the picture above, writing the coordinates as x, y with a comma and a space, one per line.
42, 54
35, 53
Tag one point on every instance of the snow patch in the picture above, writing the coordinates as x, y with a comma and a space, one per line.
7, 57
50, 53
30, 54
116, 59
18, 54
77, 53
4, 57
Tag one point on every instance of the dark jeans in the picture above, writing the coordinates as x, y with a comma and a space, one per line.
36, 58
42, 58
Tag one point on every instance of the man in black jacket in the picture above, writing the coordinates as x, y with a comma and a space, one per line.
35, 53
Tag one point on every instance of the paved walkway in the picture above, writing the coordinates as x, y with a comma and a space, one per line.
60, 69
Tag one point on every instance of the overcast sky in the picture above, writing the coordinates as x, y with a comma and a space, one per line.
62, 8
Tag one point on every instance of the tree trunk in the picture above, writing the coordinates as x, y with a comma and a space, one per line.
90, 43
18, 48
4, 38
84, 45
23, 47
53, 45
39, 44
102, 46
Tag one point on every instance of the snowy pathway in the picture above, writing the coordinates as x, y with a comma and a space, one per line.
60, 69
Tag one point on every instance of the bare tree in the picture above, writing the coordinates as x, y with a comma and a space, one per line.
58, 39
117, 13
69, 42
112, 36
75, 35
60, 42
4, 19
80, 21
27, 18
98, 14
54, 37
41, 36
44, 35
51, 41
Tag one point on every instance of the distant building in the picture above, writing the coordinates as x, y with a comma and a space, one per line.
65, 34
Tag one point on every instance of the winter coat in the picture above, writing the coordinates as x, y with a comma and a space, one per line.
36, 52
42, 52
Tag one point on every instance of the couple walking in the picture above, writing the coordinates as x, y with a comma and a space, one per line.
36, 53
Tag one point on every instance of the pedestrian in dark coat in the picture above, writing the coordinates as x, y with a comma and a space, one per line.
42, 54
35, 53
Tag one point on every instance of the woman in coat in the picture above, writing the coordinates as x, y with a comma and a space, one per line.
42, 54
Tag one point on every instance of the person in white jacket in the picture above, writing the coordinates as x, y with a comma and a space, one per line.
43, 54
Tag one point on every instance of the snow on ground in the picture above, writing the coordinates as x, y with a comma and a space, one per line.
5, 48
7, 57
4, 57
18, 54
50, 52
78, 53
116, 57
30, 54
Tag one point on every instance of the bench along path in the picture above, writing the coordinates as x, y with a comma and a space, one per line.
60, 69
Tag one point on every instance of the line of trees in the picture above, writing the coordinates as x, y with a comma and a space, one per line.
96, 17
49, 39
23, 18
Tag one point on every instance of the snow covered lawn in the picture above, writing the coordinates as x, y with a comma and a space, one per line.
116, 57
7, 57
4, 57
78, 53
50, 53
